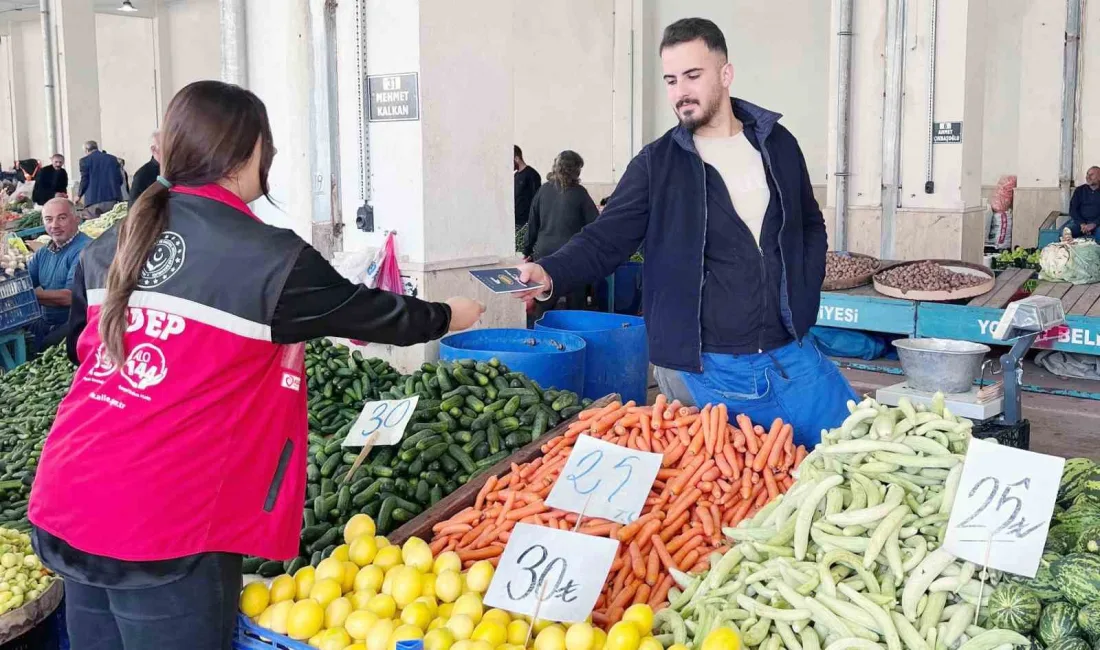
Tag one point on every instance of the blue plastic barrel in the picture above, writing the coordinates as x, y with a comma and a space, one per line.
628, 290
553, 359
617, 356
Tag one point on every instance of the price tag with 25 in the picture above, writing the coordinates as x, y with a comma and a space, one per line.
381, 423
567, 569
1003, 507
605, 481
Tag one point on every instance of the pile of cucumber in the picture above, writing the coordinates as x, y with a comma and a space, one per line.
469, 416
29, 396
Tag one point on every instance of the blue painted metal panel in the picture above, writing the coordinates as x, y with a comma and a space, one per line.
976, 324
1051, 235
868, 313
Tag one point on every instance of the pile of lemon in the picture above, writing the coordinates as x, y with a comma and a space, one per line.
369, 594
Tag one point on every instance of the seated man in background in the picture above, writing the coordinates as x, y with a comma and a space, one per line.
52, 181
51, 270
1084, 207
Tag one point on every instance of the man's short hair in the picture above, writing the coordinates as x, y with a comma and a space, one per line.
91, 145
60, 199
687, 30
517, 152
57, 155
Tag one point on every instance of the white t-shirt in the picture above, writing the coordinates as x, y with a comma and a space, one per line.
742, 170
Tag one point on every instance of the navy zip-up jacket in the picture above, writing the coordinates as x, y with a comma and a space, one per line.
700, 295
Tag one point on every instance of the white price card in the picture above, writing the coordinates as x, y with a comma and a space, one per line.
1003, 507
382, 422
572, 566
605, 481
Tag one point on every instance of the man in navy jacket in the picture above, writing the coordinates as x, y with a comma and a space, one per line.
735, 249
100, 178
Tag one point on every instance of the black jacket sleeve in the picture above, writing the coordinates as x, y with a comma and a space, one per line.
78, 312
317, 301
144, 177
84, 171
1075, 206
814, 236
589, 209
62, 181
534, 221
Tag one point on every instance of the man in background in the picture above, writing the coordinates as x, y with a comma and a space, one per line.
51, 270
52, 181
147, 174
100, 179
527, 182
1084, 207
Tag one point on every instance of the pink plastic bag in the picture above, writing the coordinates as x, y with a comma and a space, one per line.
387, 276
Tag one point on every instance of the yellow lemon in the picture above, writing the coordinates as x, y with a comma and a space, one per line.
436, 623
678, 646
448, 586
463, 644
479, 576
315, 640
280, 615
254, 599
490, 631
330, 568
416, 553
359, 623
359, 526
351, 570
723, 638
623, 635
445, 610
641, 615
335, 639
650, 643
417, 614
498, 616
337, 612
406, 586
439, 639
448, 561
427, 584
369, 578
264, 619
381, 541
282, 588
340, 553
600, 639
382, 606
379, 636
356, 646
405, 633
479, 645
325, 591
541, 625
517, 632
305, 619
579, 636
430, 603
387, 557
470, 605
360, 598
551, 638
362, 551
461, 626
304, 579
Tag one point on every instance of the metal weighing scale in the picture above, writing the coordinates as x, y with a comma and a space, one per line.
950, 367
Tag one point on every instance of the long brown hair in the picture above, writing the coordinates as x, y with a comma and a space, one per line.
567, 169
210, 132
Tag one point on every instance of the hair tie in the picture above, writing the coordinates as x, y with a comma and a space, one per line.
164, 181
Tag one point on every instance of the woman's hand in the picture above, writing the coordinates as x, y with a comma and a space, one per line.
464, 313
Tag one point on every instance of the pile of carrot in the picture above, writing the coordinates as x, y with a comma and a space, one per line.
715, 473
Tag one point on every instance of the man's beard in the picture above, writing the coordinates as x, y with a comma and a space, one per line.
701, 117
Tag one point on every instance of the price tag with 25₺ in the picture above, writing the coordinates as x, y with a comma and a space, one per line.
1003, 507
381, 423
567, 570
605, 481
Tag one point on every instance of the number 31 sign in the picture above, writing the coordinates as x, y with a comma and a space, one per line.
1003, 506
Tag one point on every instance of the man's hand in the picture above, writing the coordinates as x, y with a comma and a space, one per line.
533, 273
1088, 228
464, 313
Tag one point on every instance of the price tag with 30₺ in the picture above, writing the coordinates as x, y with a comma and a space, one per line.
567, 570
382, 422
1003, 506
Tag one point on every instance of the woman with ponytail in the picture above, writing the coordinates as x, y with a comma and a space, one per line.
181, 446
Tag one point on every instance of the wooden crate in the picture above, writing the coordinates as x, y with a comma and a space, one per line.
463, 497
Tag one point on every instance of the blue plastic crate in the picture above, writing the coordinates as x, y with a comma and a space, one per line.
250, 636
18, 304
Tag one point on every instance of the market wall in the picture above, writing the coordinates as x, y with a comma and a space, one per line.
8, 128
27, 91
192, 42
127, 87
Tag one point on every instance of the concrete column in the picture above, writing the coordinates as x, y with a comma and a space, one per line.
947, 222
78, 83
443, 182
1042, 40
162, 59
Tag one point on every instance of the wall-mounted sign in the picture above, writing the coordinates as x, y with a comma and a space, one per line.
393, 97
947, 132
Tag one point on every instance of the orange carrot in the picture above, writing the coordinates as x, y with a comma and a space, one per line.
636, 561
746, 429
653, 567
480, 554
642, 594
769, 482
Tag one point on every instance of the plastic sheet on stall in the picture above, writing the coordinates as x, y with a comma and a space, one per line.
1069, 364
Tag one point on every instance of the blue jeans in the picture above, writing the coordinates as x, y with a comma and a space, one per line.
796, 383
1075, 230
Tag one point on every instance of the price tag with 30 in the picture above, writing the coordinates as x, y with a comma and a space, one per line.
1003, 507
566, 569
605, 481
381, 423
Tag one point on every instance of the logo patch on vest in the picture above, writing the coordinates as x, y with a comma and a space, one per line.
165, 261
